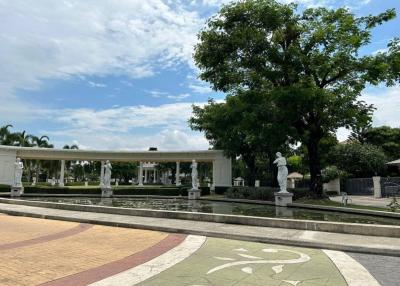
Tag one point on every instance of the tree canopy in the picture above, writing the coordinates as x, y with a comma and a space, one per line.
307, 64
244, 126
359, 160
386, 138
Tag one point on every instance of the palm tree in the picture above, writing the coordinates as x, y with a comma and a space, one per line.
6, 137
74, 146
24, 139
41, 142
68, 164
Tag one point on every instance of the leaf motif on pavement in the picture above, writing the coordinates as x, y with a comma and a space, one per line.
224, 258
247, 270
278, 268
249, 256
294, 283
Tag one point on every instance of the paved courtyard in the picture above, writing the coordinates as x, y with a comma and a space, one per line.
48, 252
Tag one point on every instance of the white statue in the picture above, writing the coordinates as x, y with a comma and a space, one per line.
282, 172
18, 169
107, 174
195, 179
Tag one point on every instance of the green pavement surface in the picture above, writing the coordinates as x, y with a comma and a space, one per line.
223, 262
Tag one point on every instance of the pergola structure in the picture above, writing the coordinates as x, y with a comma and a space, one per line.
222, 166
394, 163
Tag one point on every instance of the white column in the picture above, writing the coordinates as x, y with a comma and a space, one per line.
291, 184
102, 173
222, 172
377, 187
140, 174
145, 176
7, 161
178, 172
61, 182
155, 176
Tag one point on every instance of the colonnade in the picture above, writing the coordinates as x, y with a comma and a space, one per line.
221, 165
144, 174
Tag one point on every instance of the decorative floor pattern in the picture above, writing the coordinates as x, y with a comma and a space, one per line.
229, 262
55, 253
40, 263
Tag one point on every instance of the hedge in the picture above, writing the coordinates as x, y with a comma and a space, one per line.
4, 188
123, 191
77, 184
60, 190
263, 193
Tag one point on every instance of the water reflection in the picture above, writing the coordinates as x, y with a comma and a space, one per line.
283, 212
202, 206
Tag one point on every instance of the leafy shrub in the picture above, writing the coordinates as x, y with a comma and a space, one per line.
123, 191
331, 193
331, 173
4, 188
263, 193
59, 190
77, 184
221, 190
359, 160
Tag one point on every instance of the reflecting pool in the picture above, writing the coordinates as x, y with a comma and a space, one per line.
218, 207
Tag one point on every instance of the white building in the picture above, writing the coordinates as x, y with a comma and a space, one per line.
222, 167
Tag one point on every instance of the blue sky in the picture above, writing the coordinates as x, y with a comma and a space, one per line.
107, 74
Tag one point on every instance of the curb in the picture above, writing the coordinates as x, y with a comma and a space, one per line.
324, 226
347, 210
250, 238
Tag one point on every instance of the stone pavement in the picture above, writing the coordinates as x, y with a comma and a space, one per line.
384, 268
364, 201
50, 253
293, 237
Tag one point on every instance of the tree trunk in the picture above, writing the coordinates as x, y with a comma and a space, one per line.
273, 169
315, 168
251, 164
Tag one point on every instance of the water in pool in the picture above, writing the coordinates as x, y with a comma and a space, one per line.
218, 207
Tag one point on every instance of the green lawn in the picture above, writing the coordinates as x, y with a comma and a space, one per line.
328, 202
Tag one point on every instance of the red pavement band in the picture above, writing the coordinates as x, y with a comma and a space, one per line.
42, 239
115, 267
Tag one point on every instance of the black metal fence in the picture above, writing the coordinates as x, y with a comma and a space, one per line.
390, 186
359, 186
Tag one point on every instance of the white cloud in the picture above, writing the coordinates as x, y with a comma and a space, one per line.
380, 51
342, 134
128, 128
199, 88
124, 119
157, 93
305, 3
166, 140
387, 102
96, 84
58, 39
179, 97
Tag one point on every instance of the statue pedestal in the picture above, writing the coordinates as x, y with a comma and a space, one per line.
17, 191
283, 199
194, 194
106, 192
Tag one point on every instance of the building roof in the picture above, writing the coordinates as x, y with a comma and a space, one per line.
121, 156
295, 175
395, 162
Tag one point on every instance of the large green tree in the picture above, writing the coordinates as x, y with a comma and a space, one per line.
307, 63
359, 160
385, 137
244, 126
6, 137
